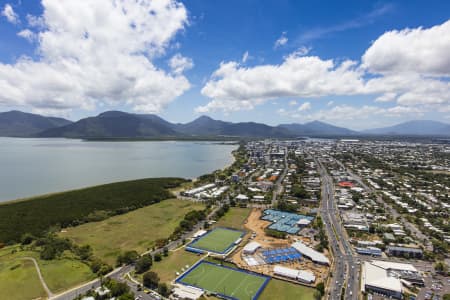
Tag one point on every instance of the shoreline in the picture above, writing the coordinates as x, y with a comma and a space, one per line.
194, 179
235, 139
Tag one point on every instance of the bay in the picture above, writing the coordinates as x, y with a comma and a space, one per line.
30, 167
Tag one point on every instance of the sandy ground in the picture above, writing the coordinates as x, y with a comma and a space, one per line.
255, 224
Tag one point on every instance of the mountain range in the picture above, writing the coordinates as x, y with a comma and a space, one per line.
416, 127
117, 124
19, 124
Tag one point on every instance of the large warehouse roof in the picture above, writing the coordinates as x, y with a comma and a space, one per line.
306, 276
394, 266
311, 253
300, 275
286, 272
378, 277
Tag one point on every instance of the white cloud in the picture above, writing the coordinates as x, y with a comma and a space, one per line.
330, 103
234, 87
419, 50
345, 112
36, 21
281, 41
386, 97
9, 14
304, 107
179, 64
293, 103
409, 89
112, 62
27, 34
302, 51
245, 57
365, 116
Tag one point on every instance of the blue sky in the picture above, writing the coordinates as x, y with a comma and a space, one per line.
275, 61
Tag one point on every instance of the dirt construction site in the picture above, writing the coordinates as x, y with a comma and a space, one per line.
256, 227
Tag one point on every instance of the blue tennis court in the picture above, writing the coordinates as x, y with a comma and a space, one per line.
284, 221
280, 255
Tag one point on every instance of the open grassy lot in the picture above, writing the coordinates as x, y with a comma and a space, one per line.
218, 240
224, 280
136, 230
278, 289
167, 268
19, 276
234, 218
19, 280
36, 215
61, 274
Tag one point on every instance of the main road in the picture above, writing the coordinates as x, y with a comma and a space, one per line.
346, 268
278, 187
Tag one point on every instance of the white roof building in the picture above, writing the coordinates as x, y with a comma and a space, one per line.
258, 198
199, 233
303, 222
306, 276
394, 266
299, 275
251, 247
380, 277
197, 190
241, 197
312, 254
187, 292
285, 272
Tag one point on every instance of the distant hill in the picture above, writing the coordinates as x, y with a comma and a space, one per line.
416, 127
117, 124
317, 128
20, 124
206, 126
114, 124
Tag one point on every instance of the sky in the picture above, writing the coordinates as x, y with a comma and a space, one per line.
359, 64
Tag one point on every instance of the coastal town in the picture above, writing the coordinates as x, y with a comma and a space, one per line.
206, 150
339, 219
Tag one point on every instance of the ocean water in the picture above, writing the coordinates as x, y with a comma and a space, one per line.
30, 167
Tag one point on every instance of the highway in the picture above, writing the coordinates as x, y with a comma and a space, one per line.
346, 267
278, 187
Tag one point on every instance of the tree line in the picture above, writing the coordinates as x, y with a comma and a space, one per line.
51, 212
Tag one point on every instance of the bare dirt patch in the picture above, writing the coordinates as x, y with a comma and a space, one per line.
256, 225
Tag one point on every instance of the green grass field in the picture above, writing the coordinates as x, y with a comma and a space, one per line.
19, 280
19, 276
167, 268
234, 218
136, 230
61, 274
278, 289
225, 281
218, 240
